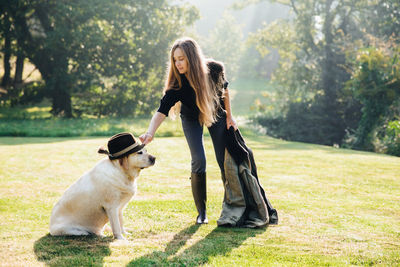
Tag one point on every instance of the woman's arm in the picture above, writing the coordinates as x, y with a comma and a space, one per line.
155, 122
229, 118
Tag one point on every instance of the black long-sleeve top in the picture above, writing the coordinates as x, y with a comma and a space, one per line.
186, 95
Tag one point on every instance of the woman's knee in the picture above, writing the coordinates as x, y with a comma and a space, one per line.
199, 164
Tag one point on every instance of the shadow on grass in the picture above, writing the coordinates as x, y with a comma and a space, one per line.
219, 241
72, 251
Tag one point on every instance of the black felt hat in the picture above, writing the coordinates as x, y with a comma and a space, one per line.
122, 144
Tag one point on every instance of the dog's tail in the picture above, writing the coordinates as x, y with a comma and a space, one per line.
102, 150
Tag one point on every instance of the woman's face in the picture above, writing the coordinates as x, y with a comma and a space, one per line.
180, 61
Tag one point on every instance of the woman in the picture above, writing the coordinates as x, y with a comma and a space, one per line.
189, 82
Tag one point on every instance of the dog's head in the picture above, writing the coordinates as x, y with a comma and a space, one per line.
140, 159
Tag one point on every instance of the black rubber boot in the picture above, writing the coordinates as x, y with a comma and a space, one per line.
199, 190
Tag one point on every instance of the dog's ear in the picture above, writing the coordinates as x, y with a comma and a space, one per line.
124, 163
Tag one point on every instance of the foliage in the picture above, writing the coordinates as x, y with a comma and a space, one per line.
382, 18
111, 51
255, 65
30, 92
225, 43
311, 68
304, 123
281, 35
376, 84
315, 66
392, 138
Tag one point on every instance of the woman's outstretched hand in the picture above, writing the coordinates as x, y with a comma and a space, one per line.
231, 122
156, 120
145, 138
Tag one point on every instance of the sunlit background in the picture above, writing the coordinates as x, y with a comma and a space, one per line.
324, 72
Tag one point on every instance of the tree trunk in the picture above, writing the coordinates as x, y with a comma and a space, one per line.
60, 85
20, 25
53, 65
19, 69
56, 59
7, 51
61, 105
330, 74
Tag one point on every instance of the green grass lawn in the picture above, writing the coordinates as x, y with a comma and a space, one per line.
337, 207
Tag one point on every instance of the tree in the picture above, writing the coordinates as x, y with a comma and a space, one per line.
382, 18
376, 83
313, 65
225, 43
96, 47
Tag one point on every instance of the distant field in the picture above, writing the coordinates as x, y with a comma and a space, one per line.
83, 127
336, 207
36, 120
245, 93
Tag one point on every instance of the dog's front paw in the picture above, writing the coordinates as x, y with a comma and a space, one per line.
119, 237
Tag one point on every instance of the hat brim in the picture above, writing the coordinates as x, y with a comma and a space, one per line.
133, 150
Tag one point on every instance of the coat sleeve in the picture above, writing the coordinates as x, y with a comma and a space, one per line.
169, 99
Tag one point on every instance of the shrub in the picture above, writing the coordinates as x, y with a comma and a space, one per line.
392, 138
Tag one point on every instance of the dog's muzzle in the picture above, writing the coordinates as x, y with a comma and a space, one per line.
152, 160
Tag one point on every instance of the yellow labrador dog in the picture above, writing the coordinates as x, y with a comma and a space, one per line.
101, 194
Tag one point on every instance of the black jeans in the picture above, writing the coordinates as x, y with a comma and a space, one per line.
194, 136
218, 134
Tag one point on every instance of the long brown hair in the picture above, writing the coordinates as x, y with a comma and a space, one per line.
197, 75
